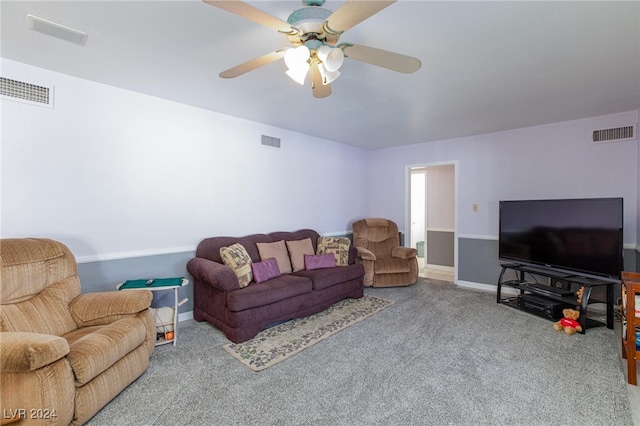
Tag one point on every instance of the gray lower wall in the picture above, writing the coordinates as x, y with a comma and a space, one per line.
478, 263
440, 249
106, 275
632, 260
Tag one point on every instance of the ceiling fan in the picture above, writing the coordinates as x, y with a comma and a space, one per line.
314, 33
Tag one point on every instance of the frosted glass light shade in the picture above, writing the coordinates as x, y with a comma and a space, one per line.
298, 74
297, 57
327, 76
322, 52
331, 57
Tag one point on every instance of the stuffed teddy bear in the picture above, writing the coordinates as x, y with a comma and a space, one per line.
569, 323
579, 294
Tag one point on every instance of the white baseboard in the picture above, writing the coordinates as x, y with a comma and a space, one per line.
185, 316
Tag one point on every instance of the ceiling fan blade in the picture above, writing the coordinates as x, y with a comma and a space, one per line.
319, 90
253, 64
382, 58
352, 13
246, 11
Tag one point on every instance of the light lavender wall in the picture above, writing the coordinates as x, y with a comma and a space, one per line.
552, 161
116, 174
111, 172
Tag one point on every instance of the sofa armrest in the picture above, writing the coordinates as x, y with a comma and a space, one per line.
213, 273
404, 252
106, 307
21, 352
353, 255
365, 254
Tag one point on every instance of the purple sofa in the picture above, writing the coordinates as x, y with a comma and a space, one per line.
241, 313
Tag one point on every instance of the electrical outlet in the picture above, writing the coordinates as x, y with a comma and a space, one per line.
475, 207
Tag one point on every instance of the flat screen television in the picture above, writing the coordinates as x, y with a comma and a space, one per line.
581, 236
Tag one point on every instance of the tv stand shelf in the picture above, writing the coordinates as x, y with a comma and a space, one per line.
546, 301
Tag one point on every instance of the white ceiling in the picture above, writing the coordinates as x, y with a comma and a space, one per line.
486, 66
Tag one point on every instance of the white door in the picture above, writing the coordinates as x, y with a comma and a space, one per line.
418, 209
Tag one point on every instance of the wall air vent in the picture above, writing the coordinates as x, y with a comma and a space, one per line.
20, 91
270, 141
613, 135
56, 30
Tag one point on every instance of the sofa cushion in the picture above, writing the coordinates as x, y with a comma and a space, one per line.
274, 290
318, 261
277, 250
209, 248
391, 265
264, 271
338, 246
297, 250
94, 352
327, 277
295, 236
236, 257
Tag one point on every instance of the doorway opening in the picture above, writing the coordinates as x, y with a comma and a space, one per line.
432, 219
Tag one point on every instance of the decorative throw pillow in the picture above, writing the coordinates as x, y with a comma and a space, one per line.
236, 257
297, 250
277, 250
336, 245
318, 261
265, 270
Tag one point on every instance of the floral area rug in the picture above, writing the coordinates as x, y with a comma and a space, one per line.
278, 343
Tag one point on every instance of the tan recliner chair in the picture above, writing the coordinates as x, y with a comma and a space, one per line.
386, 263
64, 355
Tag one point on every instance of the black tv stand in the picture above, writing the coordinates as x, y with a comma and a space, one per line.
547, 302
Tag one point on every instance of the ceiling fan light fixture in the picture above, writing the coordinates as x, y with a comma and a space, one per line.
331, 57
318, 52
298, 74
297, 57
323, 52
328, 77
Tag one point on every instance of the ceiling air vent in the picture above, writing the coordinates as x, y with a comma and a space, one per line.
614, 135
20, 91
270, 141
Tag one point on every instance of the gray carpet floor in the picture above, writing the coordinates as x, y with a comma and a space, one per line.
441, 355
